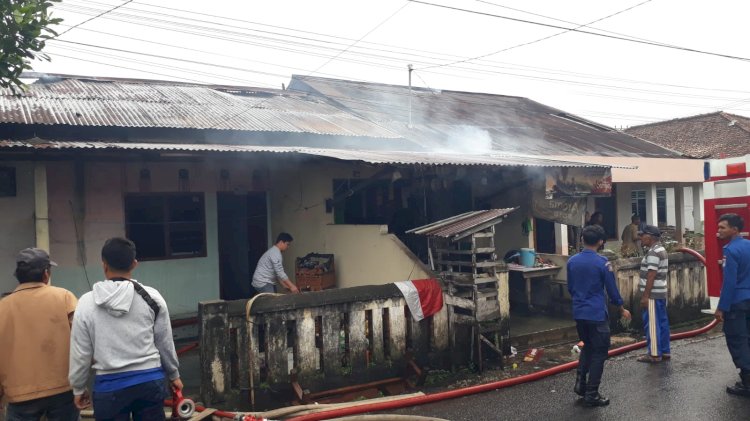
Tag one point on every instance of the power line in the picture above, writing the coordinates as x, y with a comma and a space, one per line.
360, 38
537, 40
97, 16
321, 66
400, 60
637, 41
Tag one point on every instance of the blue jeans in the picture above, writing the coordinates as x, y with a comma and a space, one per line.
58, 407
596, 340
266, 288
145, 401
656, 326
737, 333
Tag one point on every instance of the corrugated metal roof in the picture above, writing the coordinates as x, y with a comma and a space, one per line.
460, 226
127, 103
464, 120
374, 157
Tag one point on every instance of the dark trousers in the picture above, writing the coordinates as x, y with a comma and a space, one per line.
145, 401
58, 407
737, 333
595, 337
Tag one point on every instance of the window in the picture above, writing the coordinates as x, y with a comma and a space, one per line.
661, 205
166, 226
638, 204
361, 201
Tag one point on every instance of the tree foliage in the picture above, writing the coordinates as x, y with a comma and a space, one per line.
24, 29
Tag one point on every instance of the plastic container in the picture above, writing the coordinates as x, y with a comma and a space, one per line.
528, 257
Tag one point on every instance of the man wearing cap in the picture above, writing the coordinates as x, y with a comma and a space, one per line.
653, 287
35, 329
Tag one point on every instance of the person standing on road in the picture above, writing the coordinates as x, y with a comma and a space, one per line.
589, 277
122, 330
35, 331
734, 302
270, 268
653, 287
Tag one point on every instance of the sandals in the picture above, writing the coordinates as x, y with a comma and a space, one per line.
649, 359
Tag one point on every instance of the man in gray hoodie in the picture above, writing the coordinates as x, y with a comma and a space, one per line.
121, 329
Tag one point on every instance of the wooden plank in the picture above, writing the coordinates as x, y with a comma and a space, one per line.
478, 250
467, 263
331, 331
307, 353
490, 344
357, 339
459, 302
278, 365
483, 234
463, 319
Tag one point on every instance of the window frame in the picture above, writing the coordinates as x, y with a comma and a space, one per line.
165, 196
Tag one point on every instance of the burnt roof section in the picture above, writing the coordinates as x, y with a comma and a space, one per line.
713, 135
463, 225
111, 102
465, 121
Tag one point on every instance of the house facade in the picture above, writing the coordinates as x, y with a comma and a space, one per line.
204, 195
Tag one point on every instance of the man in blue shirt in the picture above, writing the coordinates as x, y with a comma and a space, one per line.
734, 302
589, 275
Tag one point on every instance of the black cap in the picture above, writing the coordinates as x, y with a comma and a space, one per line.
650, 230
35, 258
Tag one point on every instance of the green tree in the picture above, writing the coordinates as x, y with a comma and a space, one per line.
24, 29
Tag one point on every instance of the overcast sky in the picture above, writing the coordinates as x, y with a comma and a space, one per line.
262, 43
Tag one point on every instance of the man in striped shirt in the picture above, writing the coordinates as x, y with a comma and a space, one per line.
653, 287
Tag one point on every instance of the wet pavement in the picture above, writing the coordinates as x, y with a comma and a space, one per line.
690, 387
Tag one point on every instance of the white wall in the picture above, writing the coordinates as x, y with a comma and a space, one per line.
17, 223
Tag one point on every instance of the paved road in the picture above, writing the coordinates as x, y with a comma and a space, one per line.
690, 387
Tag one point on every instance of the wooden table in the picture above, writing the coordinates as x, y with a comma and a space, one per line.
531, 273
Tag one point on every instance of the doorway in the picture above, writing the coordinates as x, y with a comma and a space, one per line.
545, 236
243, 238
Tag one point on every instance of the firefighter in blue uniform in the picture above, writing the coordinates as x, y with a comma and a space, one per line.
589, 277
734, 302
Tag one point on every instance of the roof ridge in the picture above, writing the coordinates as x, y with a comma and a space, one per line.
735, 122
674, 119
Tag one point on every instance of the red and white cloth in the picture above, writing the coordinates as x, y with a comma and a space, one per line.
423, 296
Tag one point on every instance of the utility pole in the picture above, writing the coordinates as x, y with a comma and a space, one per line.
411, 69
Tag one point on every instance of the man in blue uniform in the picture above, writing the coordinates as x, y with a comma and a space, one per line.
734, 302
589, 276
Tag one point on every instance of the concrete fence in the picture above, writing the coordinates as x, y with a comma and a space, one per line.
326, 339
686, 285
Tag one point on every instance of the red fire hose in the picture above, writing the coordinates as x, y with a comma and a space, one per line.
434, 397
451, 394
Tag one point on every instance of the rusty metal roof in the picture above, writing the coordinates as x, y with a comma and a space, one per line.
373, 157
133, 103
460, 226
465, 120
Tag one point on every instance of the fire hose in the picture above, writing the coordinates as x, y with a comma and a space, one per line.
350, 411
